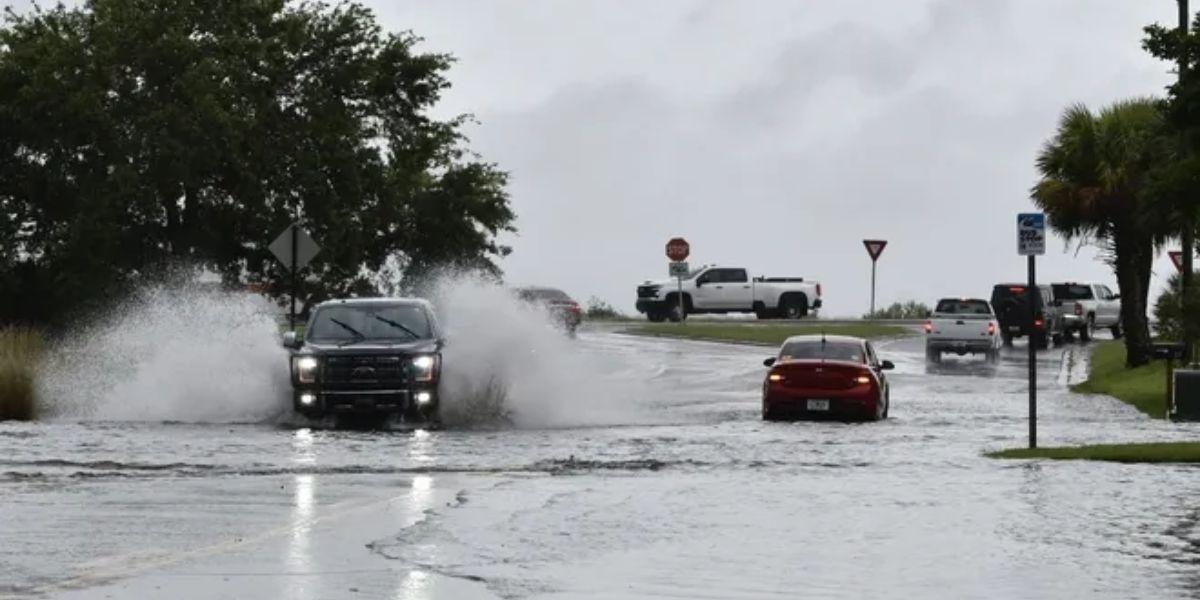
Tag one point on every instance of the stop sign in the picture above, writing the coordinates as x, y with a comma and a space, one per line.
678, 249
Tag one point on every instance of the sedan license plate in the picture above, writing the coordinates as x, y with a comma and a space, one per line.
818, 405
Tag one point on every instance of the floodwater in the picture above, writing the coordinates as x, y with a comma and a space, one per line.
679, 490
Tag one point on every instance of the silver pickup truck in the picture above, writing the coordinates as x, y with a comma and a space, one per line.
962, 326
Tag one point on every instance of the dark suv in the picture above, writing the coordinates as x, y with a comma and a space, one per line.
1011, 303
369, 356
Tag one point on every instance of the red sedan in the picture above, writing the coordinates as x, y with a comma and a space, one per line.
830, 377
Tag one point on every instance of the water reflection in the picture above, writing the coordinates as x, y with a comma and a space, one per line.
303, 451
299, 549
414, 585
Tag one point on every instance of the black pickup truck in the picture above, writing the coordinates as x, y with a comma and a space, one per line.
376, 357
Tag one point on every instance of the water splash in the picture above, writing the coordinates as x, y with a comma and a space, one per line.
506, 361
172, 353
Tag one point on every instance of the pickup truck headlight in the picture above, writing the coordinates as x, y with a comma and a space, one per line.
306, 369
424, 367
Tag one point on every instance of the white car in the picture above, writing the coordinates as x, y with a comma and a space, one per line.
717, 289
1087, 307
963, 326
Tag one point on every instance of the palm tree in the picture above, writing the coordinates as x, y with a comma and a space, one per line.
1094, 174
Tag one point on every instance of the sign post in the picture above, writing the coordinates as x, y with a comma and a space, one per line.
678, 250
874, 249
1031, 242
295, 248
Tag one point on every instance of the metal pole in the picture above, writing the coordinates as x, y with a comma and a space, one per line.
295, 280
679, 280
874, 262
1034, 339
1188, 234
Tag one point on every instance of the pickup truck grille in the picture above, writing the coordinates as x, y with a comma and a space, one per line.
647, 291
365, 371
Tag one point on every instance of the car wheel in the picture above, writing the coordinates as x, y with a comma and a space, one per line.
767, 413
887, 405
656, 317
762, 314
1089, 329
1007, 338
933, 356
676, 313
793, 307
1116, 331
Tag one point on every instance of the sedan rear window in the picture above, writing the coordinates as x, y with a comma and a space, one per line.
953, 306
1063, 291
826, 350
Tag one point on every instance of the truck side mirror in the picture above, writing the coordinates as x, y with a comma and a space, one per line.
290, 340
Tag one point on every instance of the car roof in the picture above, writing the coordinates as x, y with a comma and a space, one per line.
817, 337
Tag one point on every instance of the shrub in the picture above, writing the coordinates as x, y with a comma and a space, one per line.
902, 310
1170, 324
599, 309
20, 350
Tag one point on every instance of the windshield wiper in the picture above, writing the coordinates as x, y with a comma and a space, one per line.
358, 336
400, 326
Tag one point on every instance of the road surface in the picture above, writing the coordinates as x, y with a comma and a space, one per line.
656, 478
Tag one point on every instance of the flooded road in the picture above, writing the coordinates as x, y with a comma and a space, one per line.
680, 491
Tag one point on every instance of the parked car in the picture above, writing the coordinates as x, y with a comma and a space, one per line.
1087, 307
369, 357
715, 289
1011, 304
565, 312
818, 376
963, 326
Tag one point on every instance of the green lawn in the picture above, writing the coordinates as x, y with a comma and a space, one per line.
773, 334
1165, 452
20, 351
1145, 387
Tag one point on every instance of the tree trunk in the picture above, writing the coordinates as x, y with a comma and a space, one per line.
1133, 257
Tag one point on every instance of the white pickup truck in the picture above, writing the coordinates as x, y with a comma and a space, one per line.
962, 326
717, 289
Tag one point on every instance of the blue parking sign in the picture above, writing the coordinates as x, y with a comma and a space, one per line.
1031, 234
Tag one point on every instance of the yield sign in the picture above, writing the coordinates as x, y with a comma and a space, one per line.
1177, 258
295, 243
875, 247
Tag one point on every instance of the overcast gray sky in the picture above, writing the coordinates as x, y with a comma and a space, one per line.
779, 134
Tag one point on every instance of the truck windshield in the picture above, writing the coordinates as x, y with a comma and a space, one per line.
396, 322
823, 350
953, 306
1066, 291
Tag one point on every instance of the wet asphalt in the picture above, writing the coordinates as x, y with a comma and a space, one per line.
679, 491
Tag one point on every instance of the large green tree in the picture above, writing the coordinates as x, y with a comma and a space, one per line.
139, 134
1094, 176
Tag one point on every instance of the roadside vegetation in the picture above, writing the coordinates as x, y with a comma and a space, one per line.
209, 171
599, 310
20, 351
768, 335
1144, 387
902, 310
1165, 452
